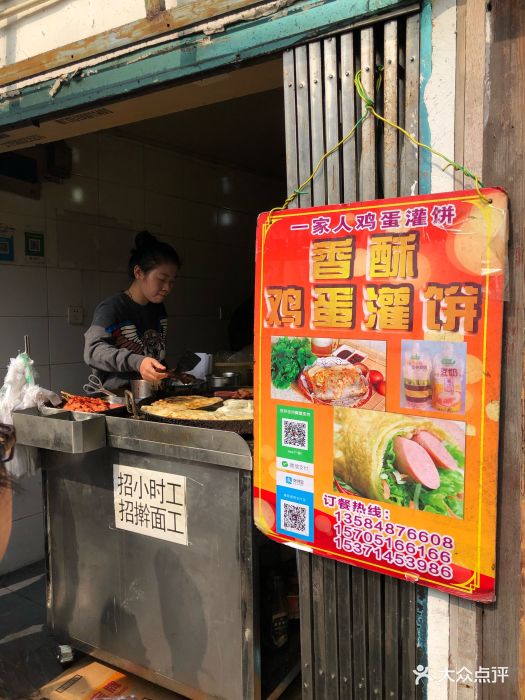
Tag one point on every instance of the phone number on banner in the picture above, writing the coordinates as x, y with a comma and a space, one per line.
368, 536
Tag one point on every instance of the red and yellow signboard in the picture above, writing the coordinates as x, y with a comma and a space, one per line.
378, 347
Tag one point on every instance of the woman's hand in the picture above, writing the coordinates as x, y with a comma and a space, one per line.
152, 370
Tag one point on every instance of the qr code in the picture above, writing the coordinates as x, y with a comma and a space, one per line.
295, 433
294, 517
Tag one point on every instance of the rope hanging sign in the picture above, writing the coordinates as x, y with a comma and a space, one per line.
369, 111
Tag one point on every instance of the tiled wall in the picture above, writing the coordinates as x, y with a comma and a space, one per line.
207, 211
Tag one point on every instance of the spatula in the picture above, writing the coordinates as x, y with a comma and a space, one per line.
186, 363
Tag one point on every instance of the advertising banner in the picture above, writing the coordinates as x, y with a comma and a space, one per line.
378, 331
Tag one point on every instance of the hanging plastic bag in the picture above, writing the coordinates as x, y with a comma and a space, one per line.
20, 391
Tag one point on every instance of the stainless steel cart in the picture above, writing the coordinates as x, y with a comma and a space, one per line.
181, 615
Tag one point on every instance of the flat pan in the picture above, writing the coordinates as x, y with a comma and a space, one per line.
242, 427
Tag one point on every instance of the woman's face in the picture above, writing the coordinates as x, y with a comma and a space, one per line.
156, 284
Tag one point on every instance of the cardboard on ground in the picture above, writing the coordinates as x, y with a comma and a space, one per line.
90, 679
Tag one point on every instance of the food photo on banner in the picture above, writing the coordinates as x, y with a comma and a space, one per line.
378, 346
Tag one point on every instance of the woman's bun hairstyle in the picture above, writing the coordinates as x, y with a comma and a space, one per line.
144, 240
149, 253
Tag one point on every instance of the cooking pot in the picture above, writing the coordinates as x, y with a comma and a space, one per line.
142, 389
227, 379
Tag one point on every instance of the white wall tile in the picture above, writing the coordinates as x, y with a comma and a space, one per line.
162, 171
78, 245
15, 204
122, 203
204, 261
246, 193
89, 247
199, 222
121, 161
85, 154
66, 342
51, 243
201, 182
79, 194
166, 212
43, 375
70, 377
231, 226
26, 545
64, 288
111, 283
23, 291
12, 331
91, 294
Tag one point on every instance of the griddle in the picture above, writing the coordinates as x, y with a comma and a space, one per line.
242, 427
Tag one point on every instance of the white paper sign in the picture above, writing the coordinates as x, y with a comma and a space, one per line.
150, 503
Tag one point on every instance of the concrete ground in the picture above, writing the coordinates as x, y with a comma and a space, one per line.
27, 650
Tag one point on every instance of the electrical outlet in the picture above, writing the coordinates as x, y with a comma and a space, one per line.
75, 315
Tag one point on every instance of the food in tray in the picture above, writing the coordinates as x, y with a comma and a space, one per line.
231, 409
403, 460
334, 381
85, 404
182, 378
235, 409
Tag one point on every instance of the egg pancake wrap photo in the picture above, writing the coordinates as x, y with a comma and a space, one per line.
362, 440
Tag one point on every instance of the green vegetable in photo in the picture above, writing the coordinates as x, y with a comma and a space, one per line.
289, 357
445, 500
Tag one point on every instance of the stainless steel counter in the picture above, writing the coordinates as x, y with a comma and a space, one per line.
179, 614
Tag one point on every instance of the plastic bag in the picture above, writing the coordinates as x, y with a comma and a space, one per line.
20, 391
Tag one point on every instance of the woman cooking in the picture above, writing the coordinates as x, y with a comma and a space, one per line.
127, 338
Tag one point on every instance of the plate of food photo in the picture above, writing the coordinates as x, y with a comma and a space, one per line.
329, 372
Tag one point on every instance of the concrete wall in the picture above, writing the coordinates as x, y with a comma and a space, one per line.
29, 28
52, 24
206, 210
